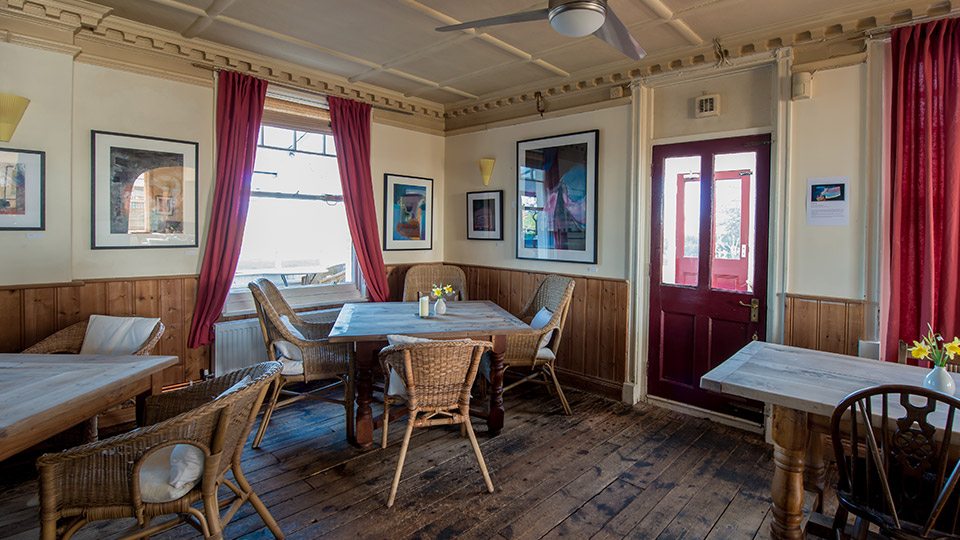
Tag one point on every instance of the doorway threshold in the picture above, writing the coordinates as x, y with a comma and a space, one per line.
698, 412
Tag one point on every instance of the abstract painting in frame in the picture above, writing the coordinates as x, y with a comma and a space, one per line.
408, 212
557, 198
485, 215
144, 192
21, 190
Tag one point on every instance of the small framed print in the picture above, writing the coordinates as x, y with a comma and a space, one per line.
557, 198
408, 212
22, 190
144, 192
485, 215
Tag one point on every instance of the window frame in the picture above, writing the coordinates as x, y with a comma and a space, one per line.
240, 302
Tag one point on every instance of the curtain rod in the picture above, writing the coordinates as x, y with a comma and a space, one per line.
299, 89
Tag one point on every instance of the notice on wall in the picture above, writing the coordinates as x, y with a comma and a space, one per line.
828, 201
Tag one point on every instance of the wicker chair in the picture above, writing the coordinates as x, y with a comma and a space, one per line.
527, 350
70, 339
893, 451
437, 377
102, 480
421, 278
321, 359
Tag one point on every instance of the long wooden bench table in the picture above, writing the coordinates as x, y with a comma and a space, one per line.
803, 387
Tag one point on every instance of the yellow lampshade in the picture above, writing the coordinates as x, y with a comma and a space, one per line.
11, 111
486, 169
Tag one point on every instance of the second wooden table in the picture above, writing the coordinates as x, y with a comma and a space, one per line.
368, 324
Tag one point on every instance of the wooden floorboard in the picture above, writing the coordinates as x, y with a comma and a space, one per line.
608, 471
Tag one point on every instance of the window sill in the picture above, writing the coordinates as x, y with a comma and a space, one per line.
240, 304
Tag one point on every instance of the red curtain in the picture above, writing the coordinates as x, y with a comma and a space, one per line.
239, 109
350, 122
925, 230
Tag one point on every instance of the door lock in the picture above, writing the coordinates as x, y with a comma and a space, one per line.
754, 306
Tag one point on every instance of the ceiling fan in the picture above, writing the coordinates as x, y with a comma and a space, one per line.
572, 18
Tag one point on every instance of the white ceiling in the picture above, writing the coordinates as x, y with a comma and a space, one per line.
392, 44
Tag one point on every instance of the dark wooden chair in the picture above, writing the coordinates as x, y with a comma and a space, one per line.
893, 450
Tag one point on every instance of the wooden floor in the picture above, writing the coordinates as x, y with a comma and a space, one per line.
608, 471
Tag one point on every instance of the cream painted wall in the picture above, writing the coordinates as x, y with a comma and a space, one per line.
112, 100
462, 175
411, 153
828, 139
46, 79
745, 102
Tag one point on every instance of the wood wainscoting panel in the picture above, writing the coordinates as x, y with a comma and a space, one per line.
823, 323
593, 352
29, 313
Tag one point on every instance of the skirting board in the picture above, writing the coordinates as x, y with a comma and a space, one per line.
724, 419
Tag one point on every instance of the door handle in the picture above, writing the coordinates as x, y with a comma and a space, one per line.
754, 306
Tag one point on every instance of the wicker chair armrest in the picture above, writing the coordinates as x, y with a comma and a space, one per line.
322, 316
67, 340
524, 347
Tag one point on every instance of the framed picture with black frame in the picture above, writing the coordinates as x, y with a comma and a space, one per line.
557, 198
22, 195
407, 212
485, 215
144, 192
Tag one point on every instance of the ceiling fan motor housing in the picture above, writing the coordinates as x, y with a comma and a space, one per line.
577, 18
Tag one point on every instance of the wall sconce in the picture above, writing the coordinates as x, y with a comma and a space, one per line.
11, 111
486, 169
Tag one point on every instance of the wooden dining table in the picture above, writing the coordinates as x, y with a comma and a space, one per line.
803, 387
44, 394
367, 325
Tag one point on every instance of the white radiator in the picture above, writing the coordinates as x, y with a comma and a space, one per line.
237, 344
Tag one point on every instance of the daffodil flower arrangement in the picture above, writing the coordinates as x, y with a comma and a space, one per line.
440, 291
933, 348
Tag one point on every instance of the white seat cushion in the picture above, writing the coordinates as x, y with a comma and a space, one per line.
291, 367
170, 473
285, 349
545, 354
116, 335
539, 321
236, 386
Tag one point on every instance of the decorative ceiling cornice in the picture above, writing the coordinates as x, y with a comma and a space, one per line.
97, 25
822, 37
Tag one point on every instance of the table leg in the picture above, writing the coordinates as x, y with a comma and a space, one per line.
789, 446
495, 416
815, 470
366, 356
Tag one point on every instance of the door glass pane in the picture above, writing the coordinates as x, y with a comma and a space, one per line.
681, 221
734, 211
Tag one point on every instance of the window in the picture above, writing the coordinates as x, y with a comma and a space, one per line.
296, 233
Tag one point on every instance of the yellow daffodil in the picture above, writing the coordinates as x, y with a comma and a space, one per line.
953, 348
919, 350
441, 290
447, 289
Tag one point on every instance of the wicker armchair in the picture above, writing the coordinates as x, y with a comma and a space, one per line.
527, 350
321, 359
421, 278
437, 377
70, 339
102, 480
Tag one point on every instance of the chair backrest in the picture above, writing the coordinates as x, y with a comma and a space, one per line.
892, 445
553, 293
437, 374
421, 278
241, 408
270, 305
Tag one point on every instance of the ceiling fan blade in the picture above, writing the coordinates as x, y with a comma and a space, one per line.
503, 19
615, 34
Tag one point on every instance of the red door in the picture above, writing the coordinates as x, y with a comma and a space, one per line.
708, 264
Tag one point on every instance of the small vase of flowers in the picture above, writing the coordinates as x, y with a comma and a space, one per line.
440, 292
933, 348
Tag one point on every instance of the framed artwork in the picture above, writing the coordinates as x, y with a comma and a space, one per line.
408, 212
22, 190
485, 215
557, 198
144, 192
